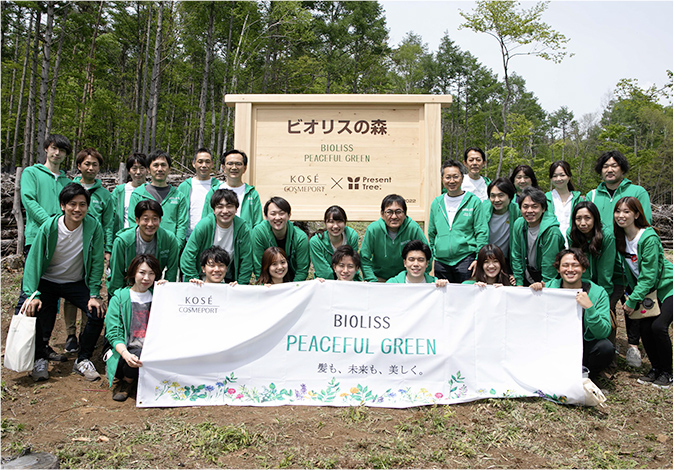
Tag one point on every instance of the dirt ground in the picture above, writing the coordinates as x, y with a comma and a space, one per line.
80, 423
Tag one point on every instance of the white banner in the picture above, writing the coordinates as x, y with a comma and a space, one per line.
351, 343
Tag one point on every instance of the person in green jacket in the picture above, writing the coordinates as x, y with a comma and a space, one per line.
345, 263
197, 188
174, 204
500, 213
126, 324
147, 237
101, 208
277, 230
235, 162
382, 246
214, 262
323, 243
647, 270
121, 195
416, 255
490, 268
456, 230
562, 198
224, 229
475, 160
66, 261
536, 240
612, 166
598, 244
41, 185
597, 349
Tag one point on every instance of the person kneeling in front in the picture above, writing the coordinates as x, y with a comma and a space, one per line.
66, 261
597, 349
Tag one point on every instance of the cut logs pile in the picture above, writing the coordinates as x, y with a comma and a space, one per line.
662, 214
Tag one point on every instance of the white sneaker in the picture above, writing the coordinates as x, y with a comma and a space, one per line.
86, 368
633, 356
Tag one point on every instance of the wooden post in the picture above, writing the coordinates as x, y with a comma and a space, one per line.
16, 210
122, 173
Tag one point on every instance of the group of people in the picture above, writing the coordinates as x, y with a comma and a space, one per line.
502, 232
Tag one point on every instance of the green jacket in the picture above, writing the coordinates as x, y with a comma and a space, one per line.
549, 242
605, 203
101, 208
514, 213
382, 257
40, 197
596, 319
468, 234
186, 189
487, 182
321, 253
655, 271
575, 199
202, 239
601, 267
117, 324
400, 278
124, 250
251, 208
297, 245
118, 203
176, 209
44, 245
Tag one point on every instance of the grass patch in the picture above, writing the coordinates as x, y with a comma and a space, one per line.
210, 440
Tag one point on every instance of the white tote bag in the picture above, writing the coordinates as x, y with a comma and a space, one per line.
20, 345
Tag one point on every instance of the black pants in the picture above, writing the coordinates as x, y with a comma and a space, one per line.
655, 336
126, 371
597, 355
455, 274
631, 326
78, 294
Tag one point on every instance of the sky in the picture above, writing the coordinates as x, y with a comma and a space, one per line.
610, 40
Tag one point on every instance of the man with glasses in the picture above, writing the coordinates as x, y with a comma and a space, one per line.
500, 212
382, 247
235, 164
612, 166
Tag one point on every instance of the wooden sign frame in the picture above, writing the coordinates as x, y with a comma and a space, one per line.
277, 131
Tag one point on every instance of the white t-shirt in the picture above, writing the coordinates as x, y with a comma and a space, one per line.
87, 186
67, 263
197, 199
477, 187
563, 213
499, 231
240, 191
631, 249
128, 189
452, 204
224, 238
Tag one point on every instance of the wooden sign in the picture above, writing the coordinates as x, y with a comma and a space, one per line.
348, 150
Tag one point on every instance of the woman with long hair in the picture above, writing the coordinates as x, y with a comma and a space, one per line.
274, 267
647, 271
490, 269
562, 198
324, 242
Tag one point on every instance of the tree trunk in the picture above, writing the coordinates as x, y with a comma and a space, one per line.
143, 112
21, 88
28, 131
16, 210
14, 60
224, 82
204, 81
44, 79
88, 89
57, 66
151, 125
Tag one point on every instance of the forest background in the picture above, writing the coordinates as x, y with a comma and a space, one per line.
126, 76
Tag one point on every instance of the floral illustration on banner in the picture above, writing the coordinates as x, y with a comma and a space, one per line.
179, 392
561, 399
457, 387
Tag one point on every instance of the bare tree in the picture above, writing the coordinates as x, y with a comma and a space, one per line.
151, 123
44, 79
28, 130
21, 87
204, 81
57, 66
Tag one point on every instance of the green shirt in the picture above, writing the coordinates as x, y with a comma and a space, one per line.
321, 252
176, 210
101, 208
296, 248
250, 210
549, 242
40, 190
596, 319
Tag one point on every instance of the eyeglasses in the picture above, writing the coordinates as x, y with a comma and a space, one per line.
453, 177
397, 212
237, 164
